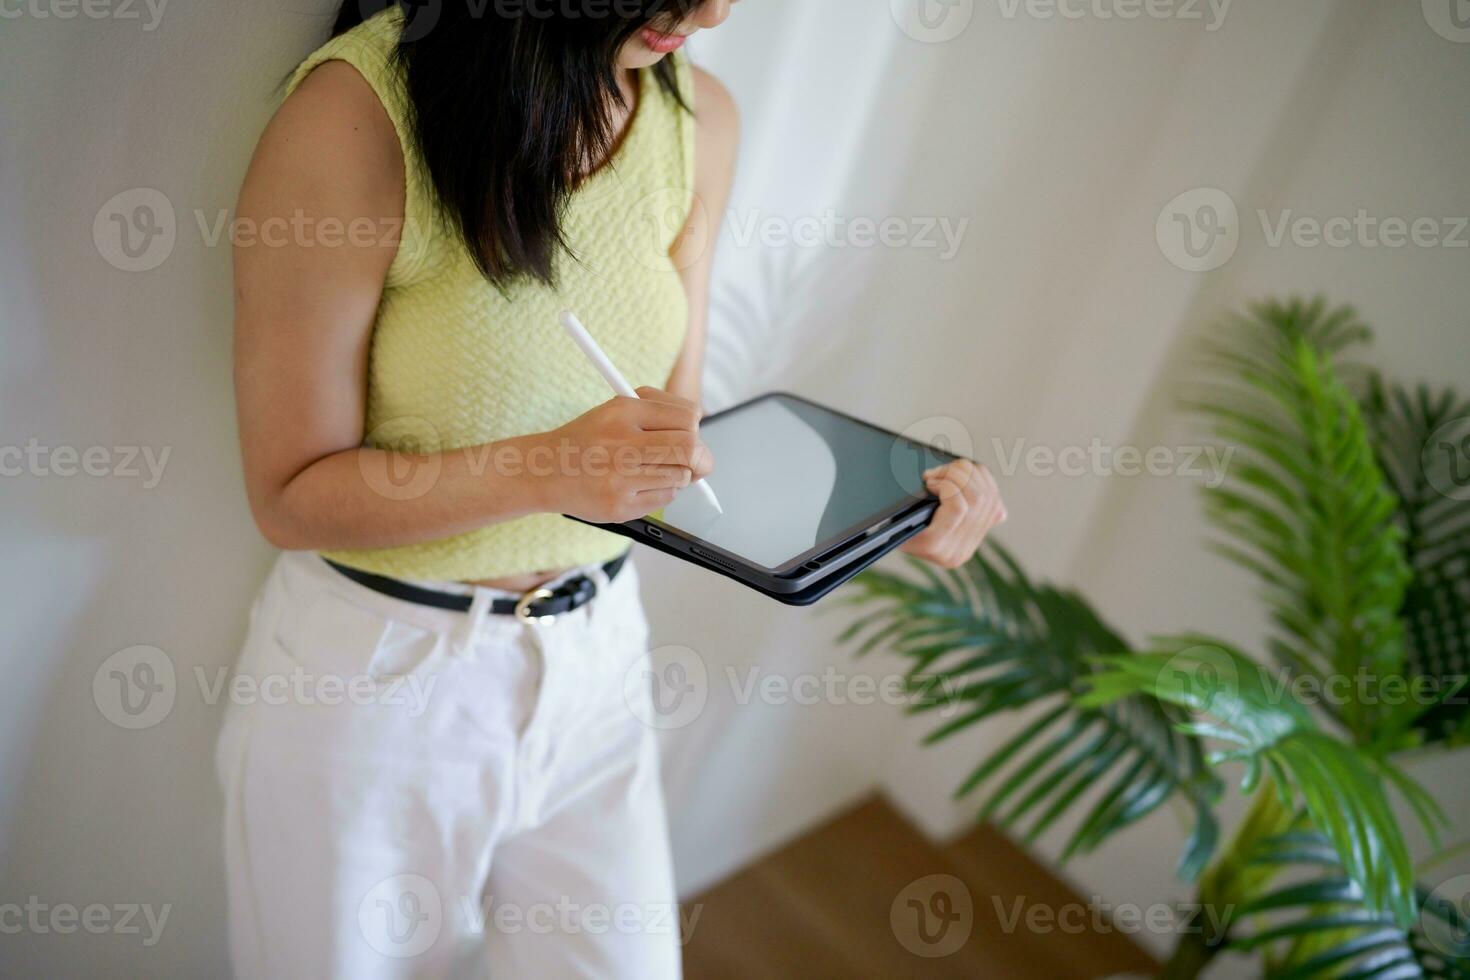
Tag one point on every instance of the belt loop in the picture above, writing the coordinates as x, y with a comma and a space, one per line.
469, 631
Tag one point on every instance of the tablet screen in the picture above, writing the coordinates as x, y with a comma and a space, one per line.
796, 479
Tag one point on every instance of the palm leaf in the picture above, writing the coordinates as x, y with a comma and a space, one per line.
1436, 525
1319, 922
1273, 735
1306, 508
985, 640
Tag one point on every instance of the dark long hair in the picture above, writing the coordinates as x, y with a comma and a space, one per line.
511, 105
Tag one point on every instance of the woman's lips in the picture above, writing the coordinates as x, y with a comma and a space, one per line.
662, 43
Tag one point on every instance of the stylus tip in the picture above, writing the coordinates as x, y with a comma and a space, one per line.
708, 494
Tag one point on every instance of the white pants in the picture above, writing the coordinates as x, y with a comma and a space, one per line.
407, 796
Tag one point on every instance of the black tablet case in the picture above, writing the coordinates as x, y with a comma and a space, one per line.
806, 596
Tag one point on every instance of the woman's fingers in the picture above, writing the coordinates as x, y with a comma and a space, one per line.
652, 500
969, 477
702, 462
937, 542
666, 477
990, 493
675, 448
970, 507
975, 482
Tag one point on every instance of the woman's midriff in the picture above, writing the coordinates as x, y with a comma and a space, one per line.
520, 583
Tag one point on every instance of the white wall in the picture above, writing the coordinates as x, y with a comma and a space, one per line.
1059, 320
97, 357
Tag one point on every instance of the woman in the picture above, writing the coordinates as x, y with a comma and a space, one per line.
456, 782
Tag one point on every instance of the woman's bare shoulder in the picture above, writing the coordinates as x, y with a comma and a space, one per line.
717, 119
715, 105
332, 136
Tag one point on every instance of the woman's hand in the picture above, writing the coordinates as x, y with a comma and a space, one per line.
969, 508
626, 458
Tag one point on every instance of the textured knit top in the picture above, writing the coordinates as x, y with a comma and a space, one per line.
456, 363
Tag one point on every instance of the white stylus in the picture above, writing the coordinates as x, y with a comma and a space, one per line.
618, 383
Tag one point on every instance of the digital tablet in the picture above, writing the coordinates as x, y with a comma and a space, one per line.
811, 497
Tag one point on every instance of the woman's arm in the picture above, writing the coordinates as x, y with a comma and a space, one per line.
717, 143
304, 312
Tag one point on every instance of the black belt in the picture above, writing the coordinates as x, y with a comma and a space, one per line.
571, 595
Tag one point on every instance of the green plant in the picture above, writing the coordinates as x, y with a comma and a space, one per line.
1364, 570
1436, 526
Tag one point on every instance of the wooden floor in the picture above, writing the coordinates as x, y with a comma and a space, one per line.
856, 898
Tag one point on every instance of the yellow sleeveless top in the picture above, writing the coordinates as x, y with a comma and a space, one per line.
457, 364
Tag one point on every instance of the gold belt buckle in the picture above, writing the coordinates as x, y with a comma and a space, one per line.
523, 608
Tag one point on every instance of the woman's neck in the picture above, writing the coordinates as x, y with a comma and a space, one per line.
628, 87
621, 115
